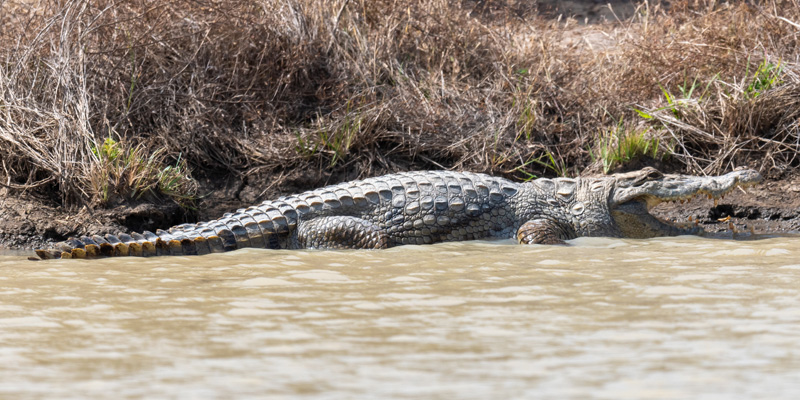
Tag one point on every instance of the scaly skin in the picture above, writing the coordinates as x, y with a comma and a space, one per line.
428, 207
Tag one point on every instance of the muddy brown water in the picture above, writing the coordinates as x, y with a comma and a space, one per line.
603, 318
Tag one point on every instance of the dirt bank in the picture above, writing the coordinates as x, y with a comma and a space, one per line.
770, 208
27, 222
220, 105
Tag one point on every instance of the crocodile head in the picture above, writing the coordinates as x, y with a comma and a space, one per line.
634, 194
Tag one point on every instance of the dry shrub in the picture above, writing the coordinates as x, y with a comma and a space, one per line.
722, 80
243, 87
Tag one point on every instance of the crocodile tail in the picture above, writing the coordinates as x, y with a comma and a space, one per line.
266, 226
143, 244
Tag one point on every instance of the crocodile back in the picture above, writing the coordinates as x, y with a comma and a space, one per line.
418, 207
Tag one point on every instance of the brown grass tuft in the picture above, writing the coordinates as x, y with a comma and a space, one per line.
241, 87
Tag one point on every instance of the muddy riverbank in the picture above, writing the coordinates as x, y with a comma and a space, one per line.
27, 221
221, 105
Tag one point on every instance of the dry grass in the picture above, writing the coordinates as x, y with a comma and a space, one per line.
243, 87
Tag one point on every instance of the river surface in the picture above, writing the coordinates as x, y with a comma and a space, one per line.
603, 318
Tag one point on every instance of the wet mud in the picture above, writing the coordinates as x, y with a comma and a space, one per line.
28, 222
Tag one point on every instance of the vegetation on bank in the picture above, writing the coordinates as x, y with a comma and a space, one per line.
103, 101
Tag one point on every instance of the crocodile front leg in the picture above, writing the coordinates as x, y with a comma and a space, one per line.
544, 231
341, 232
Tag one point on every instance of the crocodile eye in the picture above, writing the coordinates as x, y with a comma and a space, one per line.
650, 174
654, 174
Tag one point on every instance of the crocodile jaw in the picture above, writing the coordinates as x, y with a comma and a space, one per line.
633, 219
634, 196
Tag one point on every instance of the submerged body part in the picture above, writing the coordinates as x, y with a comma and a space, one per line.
428, 207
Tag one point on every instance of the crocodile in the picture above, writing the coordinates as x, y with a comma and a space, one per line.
429, 207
